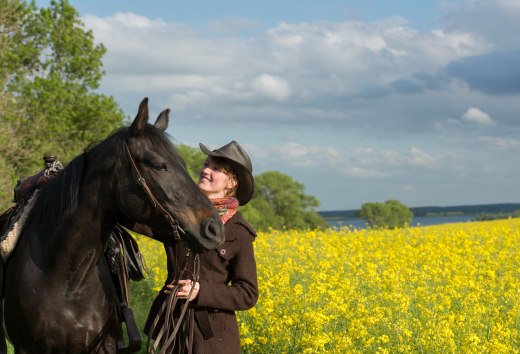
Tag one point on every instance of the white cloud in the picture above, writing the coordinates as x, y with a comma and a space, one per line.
307, 155
421, 158
273, 87
120, 20
500, 143
475, 115
359, 163
495, 22
315, 64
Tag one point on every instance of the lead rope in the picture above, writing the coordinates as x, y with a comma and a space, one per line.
166, 339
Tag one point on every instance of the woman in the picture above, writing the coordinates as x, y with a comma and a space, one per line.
228, 279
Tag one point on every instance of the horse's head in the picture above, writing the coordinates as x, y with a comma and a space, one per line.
156, 189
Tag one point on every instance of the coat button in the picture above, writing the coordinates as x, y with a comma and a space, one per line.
223, 252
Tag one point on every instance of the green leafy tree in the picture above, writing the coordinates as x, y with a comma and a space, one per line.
391, 214
13, 13
279, 201
49, 71
194, 159
56, 89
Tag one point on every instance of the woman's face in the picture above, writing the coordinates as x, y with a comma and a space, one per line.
214, 181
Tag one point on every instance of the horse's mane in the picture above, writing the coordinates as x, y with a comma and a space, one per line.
58, 199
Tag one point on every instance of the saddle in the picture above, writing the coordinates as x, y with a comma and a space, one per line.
26, 186
13, 219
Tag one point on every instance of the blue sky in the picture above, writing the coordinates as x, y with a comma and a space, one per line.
361, 101
268, 12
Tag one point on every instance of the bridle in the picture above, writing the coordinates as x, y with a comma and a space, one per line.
170, 328
176, 228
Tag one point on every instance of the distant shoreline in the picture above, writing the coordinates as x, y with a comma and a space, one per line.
358, 223
433, 211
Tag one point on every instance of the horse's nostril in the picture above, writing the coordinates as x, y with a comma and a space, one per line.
214, 231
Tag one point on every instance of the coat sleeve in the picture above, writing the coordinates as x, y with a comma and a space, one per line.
241, 293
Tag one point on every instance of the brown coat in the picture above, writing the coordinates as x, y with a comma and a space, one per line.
228, 283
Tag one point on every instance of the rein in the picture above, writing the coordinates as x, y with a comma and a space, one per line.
176, 228
170, 330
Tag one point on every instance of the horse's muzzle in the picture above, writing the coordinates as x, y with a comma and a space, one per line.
211, 235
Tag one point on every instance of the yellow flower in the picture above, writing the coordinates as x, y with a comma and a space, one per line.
451, 288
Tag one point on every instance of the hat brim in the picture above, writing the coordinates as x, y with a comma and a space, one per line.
208, 151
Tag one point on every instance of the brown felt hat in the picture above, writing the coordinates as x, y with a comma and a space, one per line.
241, 165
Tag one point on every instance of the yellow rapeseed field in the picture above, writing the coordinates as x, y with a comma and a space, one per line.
439, 289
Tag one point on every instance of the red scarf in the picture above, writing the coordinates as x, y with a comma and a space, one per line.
226, 207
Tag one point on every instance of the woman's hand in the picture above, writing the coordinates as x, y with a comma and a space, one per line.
185, 288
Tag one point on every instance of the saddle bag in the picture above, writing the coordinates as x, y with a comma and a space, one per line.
122, 242
125, 262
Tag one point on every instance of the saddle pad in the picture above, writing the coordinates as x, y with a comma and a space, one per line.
13, 226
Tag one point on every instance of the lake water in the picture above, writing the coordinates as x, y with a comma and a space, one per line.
417, 221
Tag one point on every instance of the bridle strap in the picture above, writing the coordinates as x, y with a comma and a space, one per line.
156, 204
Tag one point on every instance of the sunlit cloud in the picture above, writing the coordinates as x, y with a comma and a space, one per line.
272, 86
475, 115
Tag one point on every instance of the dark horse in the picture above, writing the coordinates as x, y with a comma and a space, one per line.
58, 292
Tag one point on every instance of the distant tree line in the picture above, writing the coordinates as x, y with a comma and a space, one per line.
497, 216
496, 208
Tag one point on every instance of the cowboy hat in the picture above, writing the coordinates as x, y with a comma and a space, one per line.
241, 165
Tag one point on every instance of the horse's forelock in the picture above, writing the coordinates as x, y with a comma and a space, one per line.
159, 141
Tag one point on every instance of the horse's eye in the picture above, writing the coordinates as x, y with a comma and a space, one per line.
160, 167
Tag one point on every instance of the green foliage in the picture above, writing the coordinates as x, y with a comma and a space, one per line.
16, 53
281, 202
12, 15
391, 214
49, 69
194, 159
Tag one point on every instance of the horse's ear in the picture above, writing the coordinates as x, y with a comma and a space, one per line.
140, 119
162, 120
